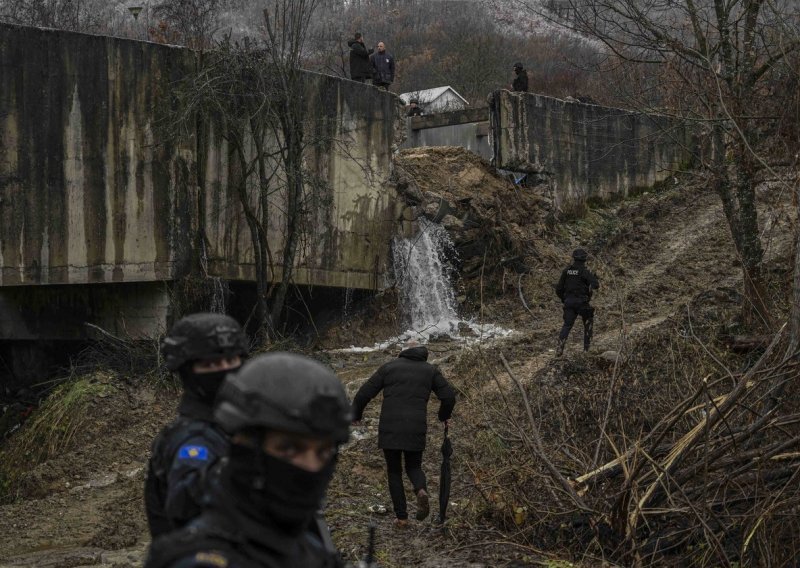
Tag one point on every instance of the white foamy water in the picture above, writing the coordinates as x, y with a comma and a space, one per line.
424, 279
220, 286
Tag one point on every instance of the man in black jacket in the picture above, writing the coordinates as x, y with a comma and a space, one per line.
360, 66
202, 349
520, 82
382, 67
407, 383
575, 291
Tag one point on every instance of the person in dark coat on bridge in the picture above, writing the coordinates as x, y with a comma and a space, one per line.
360, 65
407, 383
575, 289
520, 82
382, 67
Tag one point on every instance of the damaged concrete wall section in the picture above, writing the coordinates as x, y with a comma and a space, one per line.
585, 151
467, 128
90, 194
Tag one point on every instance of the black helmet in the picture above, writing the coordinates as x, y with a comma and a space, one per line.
518, 65
580, 254
203, 336
287, 392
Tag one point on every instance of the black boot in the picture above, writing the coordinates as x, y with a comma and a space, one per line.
560, 347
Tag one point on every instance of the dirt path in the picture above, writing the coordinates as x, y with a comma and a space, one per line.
643, 279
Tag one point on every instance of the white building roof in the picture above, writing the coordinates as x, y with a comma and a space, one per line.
426, 96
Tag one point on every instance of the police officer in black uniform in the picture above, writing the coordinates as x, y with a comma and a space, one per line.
287, 416
575, 288
413, 108
202, 348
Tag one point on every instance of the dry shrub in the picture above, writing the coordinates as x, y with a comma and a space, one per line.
668, 456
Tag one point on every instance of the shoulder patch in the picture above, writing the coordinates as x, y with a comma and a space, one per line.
211, 559
192, 452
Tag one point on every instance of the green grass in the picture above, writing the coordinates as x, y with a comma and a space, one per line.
52, 427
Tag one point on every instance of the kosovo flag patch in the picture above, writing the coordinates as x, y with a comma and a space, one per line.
188, 452
211, 559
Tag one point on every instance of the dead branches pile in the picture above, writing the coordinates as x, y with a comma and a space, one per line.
131, 359
723, 489
712, 478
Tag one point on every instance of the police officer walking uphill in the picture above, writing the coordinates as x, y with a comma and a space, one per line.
575, 290
202, 348
287, 415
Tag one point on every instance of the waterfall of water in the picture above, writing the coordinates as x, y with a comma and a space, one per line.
218, 295
423, 276
220, 288
348, 302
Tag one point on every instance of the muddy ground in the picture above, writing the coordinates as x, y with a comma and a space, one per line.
658, 255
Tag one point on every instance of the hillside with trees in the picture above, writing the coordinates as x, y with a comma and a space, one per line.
674, 441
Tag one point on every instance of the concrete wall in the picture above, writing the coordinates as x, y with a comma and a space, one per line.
91, 192
41, 327
60, 312
587, 151
353, 210
467, 128
87, 192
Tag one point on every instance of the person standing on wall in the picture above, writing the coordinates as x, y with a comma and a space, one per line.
202, 349
382, 67
407, 383
413, 108
520, 82
575, 289
360, 66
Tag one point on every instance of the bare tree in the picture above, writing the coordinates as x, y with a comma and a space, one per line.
76, 15
714, 64
254, 93
190, 22
286, 25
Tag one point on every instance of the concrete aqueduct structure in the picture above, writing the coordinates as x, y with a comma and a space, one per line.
100, 215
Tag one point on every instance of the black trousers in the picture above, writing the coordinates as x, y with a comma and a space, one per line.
394, 468
571, 313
